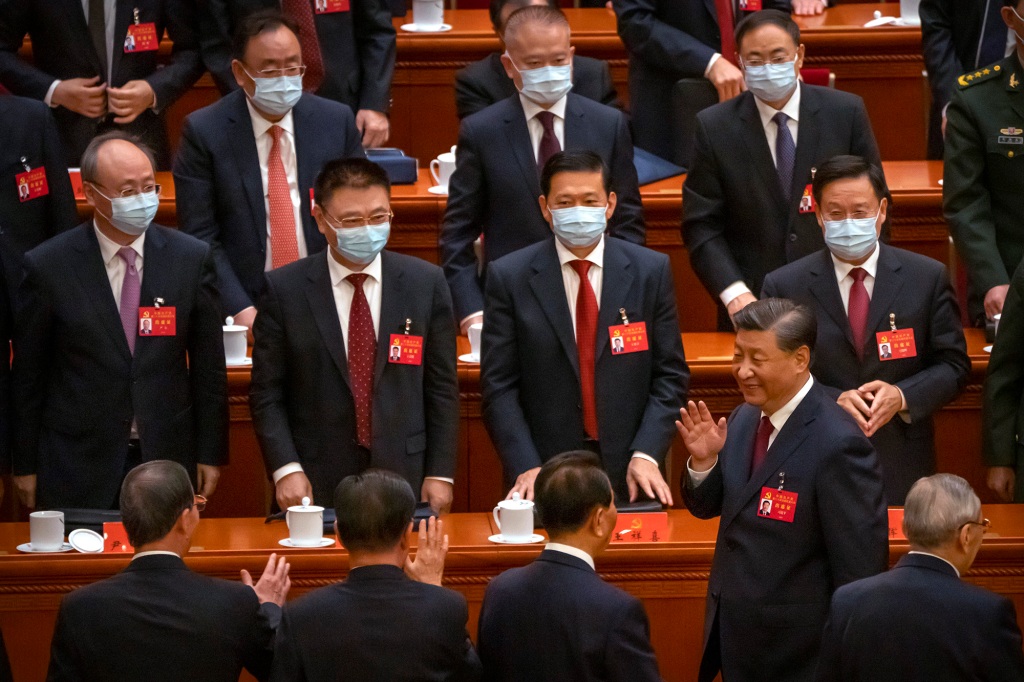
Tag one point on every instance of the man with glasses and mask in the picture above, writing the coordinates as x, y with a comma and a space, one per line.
93, 397
158, 620
328, 397
744, 212
245, 169
921, 620
891, 345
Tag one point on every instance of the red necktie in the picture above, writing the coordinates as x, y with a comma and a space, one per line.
301, 12
284, 245
548, 142
726, 27
858, 310
586, 342
362, 359
764, 432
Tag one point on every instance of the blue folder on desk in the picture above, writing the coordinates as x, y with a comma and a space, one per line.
651, 168
401, 169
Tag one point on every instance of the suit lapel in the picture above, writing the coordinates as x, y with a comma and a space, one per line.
518, 137
752, 133
549, 289
308, 162
575, 126
154, 278
826, 289
806, 146
92, 273
124, 17
77, 15
888, 283
392, 316
247, 159
615, 288
320, 295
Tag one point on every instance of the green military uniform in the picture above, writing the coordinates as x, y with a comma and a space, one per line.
983, 185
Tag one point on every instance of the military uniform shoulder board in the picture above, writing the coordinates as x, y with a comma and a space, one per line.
980, 76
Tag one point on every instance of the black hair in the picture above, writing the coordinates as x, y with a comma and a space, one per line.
568, 489
572, 162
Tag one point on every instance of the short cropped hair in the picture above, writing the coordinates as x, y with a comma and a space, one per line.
573, 162
767, 17
794, 324
936, 508
848, 167
540, 14
1011, 3
153, 495
256, 24
568, 489
90, 157
496, 7
355, 173
373, 510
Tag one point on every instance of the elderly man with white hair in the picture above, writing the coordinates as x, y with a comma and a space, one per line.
920, 621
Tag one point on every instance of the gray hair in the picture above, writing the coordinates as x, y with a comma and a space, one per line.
153, 496
937, 507
90, 157
540, 14
794, 324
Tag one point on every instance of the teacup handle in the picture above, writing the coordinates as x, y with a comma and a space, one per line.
435, 169
288, 520
496, 521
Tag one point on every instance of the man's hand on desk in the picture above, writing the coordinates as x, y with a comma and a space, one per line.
85, 96
524, 484
1001, 481
25, 488
644, 474
207, 477
701, 435
274, 583
374, 126
438, 493
727, 79
431, 549
994, 300
808, 7
292, 488
740, 302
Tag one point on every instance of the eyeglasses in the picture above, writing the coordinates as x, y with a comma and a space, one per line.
375, 219
274, 73
984, 523
778, 59
199, 502
132, 191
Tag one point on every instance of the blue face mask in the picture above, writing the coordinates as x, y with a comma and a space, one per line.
851, 239
547, 84
278, 95
132, 215
579, 226
362, 244
771, 82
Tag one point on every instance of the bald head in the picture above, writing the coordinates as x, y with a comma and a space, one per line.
115, 162
536, 29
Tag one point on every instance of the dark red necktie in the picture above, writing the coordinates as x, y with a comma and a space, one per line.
548, 142
858, 310
764, 432
301, 12
362, 358
586, 342
727, 27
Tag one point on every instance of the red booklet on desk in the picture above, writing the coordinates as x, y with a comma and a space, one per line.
646, 527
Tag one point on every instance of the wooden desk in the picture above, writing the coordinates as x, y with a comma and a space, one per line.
669, 577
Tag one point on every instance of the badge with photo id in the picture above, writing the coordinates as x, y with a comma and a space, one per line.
896, 344
779, 505
330, 6
628, 338
807, 200
141, 38
157, 321
405, 349
32, 184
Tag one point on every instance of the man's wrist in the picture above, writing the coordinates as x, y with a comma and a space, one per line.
286, 470
711, 62
48, 100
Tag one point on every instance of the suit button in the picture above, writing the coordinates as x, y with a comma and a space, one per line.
792, 237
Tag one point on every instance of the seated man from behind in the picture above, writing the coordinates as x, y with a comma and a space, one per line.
920, 621
156, 619
380, 623
558, 605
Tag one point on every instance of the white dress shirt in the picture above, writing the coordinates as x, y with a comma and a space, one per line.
154, 552
536, 128
571, 551
264, 141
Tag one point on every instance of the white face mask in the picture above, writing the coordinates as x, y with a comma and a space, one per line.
852, 238
545, 85
132, 215
579, 226
771, 82
276, 96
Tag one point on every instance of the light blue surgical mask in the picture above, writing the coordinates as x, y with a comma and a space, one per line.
579, 226
132, 215
771, 82
276, 96
362, 244
546, 84
851, 239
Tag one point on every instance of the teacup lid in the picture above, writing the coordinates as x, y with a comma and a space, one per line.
230, 326
86, 541
516, 503
305, 507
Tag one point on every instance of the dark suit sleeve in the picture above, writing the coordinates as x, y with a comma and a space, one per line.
197, 196
206, 369
259, 648
376, 42
353, 139
830, 654
854, 518
61, 207
657, 43
499, 380
1004, 381
948, 365
16, 74
670, 378
863, 137
940, 58
705, 500
287, 664
629, 656
609, 95
441, 386
65, 659
174, 79
704, 219
628, 220
215, 43
1005, 660
6, 407
469, 98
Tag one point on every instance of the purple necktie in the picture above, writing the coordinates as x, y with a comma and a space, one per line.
129, 296
785, 153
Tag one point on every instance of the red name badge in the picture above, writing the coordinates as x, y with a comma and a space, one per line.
115, 538
807, 200
141, 38
405, 349
157, 321
76, 183
750, 5
32, 184
777, 504
896, 525
647, 527
628, 338
896, 345
330, 6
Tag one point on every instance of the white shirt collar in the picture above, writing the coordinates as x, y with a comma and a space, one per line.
109, 248
915, 551
260, 125
565, 255
531, 108
339, 272
154, 552
843, 269
792, 108
782, 414
571, 551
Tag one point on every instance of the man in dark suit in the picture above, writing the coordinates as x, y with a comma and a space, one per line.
324, 337
92, 397
80, 65
556, 619
753, 161
772, 577
348, 47
920, 621
247, 163
156, 619
549, 380
380, 623
862, 291
485, 82
494, 188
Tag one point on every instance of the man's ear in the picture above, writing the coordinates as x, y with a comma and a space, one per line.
612, 202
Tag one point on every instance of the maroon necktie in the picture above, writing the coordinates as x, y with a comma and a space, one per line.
301, 12
548, 142
726, 26
362, 358
858, 310
764, 432
586, 341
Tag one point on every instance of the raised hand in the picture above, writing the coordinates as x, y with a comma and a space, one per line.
702, 436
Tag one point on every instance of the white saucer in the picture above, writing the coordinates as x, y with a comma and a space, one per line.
987, 349
441, 190
502, 541
470, 357
287, 542
86, 541
416, 29
27, 547
245, 363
